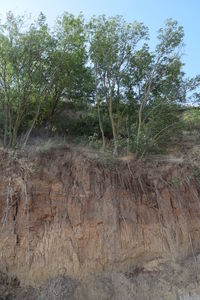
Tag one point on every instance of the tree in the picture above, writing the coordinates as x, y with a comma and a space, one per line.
155, 79
39, 69
71, 78
112, 41
22, 68
105, 66
165, 58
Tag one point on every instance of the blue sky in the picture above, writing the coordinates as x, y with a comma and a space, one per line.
151, 12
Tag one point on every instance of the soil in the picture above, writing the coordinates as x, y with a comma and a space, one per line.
77, 226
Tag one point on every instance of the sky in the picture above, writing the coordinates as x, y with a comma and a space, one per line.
152, 13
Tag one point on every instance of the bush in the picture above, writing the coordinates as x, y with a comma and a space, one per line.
191, 118
162, 125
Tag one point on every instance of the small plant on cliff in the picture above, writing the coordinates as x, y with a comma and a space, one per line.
176, 182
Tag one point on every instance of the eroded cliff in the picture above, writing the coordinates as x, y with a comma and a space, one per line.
68, 214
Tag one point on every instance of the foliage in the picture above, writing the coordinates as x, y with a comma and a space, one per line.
112, 42
162, 124
98, 80
191, 118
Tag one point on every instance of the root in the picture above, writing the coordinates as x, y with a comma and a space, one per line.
5, 217
27, 222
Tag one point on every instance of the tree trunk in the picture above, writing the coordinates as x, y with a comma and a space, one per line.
99, 116
16, 126
118, 109
101, 128
5, 137
56, 99
139, 125
115, 150
27, 135
144, 100
9, 125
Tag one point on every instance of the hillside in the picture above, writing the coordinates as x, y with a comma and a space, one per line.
76, 226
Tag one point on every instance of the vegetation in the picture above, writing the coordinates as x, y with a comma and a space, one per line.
192, 118
97, 79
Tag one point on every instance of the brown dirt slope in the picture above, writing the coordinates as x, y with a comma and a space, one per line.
66, 215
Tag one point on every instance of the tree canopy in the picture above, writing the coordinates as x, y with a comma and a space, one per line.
126, 92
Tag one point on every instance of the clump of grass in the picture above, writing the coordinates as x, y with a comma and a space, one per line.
191, 119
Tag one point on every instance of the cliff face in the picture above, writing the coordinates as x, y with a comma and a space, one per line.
65, 213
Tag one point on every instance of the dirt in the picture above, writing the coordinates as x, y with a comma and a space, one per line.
155, 280
76, 226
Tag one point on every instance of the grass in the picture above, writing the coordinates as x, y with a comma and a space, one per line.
191, 119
